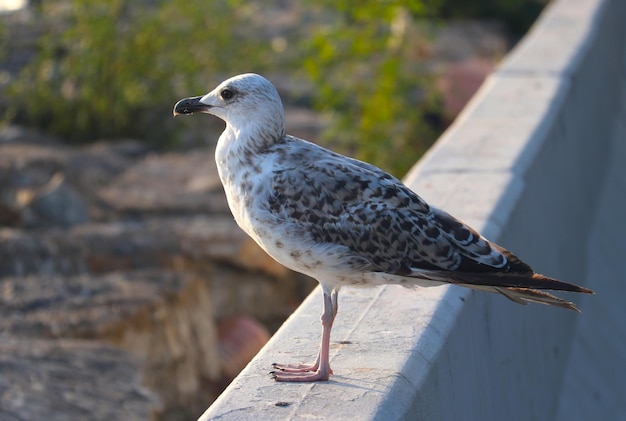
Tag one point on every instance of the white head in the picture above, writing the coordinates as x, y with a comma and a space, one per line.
244, 102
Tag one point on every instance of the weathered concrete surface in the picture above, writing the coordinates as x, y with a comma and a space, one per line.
594, 386
534, 162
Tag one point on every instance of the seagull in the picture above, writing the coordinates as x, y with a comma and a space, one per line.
342, 221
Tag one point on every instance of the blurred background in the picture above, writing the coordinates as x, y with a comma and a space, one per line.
126, 290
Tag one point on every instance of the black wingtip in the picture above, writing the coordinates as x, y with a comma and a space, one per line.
513, 280
555, 284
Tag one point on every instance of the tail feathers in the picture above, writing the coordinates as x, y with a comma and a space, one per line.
520, 287
525, 295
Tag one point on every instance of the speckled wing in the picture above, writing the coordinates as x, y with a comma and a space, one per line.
352, 203
388, 228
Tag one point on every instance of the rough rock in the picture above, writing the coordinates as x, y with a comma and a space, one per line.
44, 183
58, 204
116, 248
83, 306
71, 379
166, 318
166, 242
173, 183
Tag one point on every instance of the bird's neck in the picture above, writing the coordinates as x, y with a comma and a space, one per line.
238, 152
240, 144
241, 166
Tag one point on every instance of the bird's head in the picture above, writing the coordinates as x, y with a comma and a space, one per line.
241, 101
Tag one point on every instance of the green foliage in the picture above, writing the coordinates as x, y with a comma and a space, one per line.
117, 64
113, 69
367, 67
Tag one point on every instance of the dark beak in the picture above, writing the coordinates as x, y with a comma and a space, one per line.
190, 106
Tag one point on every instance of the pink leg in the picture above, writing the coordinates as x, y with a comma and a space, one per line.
320, 369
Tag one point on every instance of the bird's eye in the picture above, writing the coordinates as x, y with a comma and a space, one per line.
227, 94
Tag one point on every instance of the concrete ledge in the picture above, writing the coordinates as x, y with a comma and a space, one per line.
532, 163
